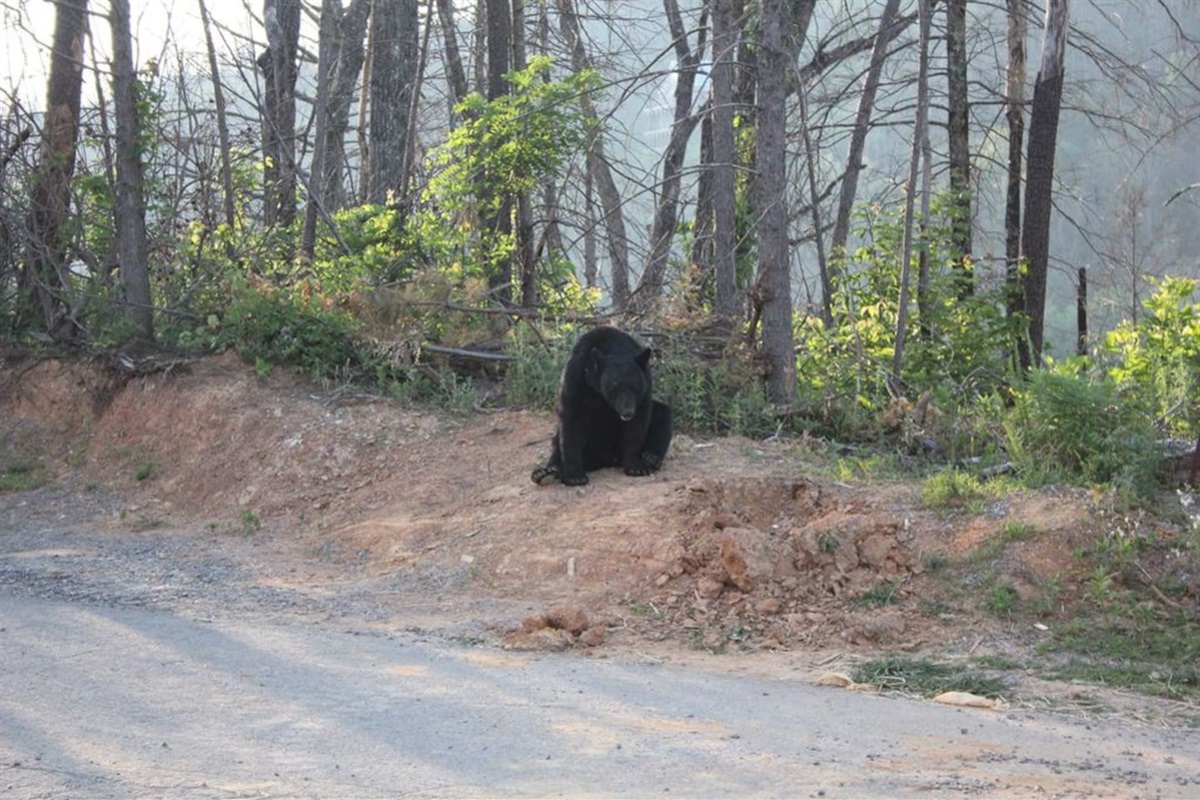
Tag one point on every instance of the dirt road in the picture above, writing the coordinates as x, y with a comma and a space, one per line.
168, 664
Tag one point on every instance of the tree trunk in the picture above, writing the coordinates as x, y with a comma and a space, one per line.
920, 135
858, 139
394, 46
1039, 186
343, 82
46, 279
1014, 103
598, 169
959, 151
132, 249
500, 223
222, 129
455, 75
524, 206
724, 180
278, 63
666, 213
770, 181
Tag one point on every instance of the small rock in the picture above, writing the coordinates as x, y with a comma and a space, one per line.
769, 606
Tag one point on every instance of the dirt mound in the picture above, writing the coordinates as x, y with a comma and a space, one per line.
733, 544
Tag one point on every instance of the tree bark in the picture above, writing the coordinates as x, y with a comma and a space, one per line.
1039, 186
499, 223
858, 139
1014, 103
724, 180
774, 272
226, 154
920, 137
666, 213
278, 64
394, 44
132, 249
959, 151
455, 74
598, 169
45, 278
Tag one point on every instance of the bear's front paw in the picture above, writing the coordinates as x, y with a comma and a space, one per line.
574, 480
639, 470
544, 475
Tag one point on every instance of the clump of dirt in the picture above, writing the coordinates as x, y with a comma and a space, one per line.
734, 544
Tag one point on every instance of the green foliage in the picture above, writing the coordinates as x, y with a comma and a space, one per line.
950, 487
707, 397
926, 678
1069, 427
957, 347
503, 148
1158, 357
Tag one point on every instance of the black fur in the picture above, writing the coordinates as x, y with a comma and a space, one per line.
606, 415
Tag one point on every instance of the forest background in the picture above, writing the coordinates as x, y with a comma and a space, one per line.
966, 229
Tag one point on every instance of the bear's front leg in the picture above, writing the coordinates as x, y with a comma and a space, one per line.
633, 442
571, 441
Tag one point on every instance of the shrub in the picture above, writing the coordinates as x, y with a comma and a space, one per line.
1067, 427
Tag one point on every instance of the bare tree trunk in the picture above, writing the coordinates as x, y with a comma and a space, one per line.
278, 63
394, 45
500, 224
132, 250
46, 279
858, 139
343, 82
774, 285
724, 180
597, 167
1039, 186
222, 128
1014, 103
920, 136
666, 213
524, 208
958, 125
455, 74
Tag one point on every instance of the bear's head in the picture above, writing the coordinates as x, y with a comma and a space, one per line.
622, 381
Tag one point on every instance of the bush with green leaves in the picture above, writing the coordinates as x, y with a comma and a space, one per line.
1158, 356
1067, 426
957, 346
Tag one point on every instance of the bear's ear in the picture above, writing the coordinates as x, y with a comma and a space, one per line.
643, 358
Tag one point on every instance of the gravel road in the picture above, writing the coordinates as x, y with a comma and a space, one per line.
170, 664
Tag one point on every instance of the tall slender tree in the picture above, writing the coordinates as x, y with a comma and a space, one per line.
724, 154
774, 284
958, 124
1014, 110
279, 66
1039, 184
132, 249
45, 277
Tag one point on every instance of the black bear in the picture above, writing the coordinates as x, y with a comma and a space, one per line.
606, 416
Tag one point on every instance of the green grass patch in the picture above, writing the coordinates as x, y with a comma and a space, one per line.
926, 678
1139, 648
22, 475
878, 596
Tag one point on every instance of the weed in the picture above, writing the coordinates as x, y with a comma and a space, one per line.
996, 662
828, 542
926, 677
878, 596
1131, 645
935, 561
21, 475
951, 487
1002, 599
250, 522
1016, 531
145, 472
